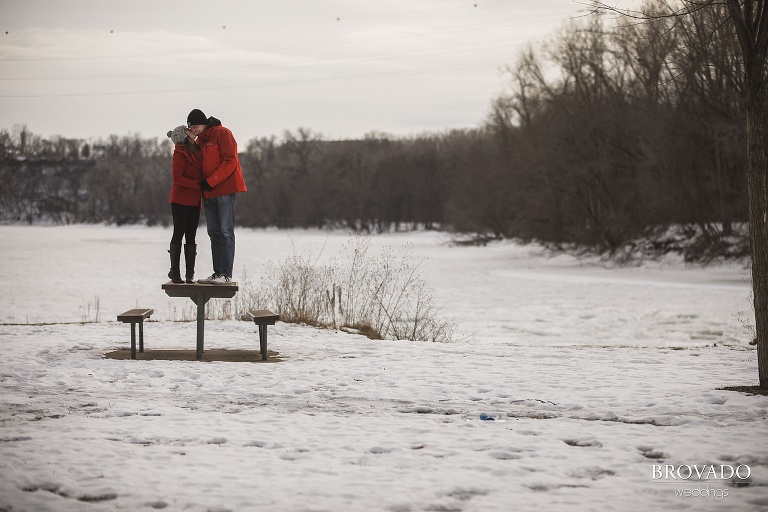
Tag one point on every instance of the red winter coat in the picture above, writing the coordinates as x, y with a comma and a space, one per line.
187, 174
221, 166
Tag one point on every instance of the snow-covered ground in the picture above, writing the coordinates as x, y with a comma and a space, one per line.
608, 377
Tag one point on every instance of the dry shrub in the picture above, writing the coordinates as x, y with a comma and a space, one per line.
382, 296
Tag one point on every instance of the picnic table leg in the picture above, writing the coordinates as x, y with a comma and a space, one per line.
200, 324
263, 341
133, 340
141, 336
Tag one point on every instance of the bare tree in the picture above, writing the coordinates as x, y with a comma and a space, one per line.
749, 21
302, 148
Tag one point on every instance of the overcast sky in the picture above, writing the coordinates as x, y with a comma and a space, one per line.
342, 68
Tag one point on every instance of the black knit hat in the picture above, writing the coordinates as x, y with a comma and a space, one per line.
196, 117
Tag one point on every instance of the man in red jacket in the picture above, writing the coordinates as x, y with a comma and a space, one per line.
222, 180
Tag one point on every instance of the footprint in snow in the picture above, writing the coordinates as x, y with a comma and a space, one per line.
593, 473
649, 453
504, 455
583, 442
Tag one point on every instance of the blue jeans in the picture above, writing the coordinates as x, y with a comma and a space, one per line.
220, 221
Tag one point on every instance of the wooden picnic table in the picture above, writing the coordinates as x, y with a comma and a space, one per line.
200, 295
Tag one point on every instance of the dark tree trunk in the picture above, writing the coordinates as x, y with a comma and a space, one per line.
750, 20
758, 231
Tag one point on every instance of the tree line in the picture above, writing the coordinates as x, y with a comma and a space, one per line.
610, 136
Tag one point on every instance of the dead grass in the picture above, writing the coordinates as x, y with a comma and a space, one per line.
749, 390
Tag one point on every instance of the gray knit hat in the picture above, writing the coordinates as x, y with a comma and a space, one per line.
178, 134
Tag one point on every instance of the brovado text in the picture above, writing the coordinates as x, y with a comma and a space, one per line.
700, 472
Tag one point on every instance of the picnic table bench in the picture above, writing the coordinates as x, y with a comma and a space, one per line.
200, 295
263, 318
136, 316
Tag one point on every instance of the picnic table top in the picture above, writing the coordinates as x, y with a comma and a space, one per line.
218, 291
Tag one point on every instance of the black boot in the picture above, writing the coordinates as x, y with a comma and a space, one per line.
190, 251
175, 272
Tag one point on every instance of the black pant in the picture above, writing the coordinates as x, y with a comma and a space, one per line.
185, 221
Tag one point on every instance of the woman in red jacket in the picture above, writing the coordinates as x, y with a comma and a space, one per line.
185, 202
